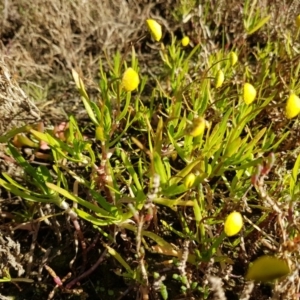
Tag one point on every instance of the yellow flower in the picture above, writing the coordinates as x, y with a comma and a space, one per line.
249, 93
298, 21
219, 79
233, 223
233, 58
185, 41
197, 127
292, 108
155, 29
189, 180
130, 80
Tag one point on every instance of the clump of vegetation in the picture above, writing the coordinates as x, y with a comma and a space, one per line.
182, 184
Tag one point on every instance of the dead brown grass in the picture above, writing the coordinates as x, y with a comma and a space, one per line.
16, 108
46, 37
40, 41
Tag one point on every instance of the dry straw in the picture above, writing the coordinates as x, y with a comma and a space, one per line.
16, 109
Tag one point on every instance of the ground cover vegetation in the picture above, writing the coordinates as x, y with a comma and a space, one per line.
151, 151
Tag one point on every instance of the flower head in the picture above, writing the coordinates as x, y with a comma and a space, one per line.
233, 223
185, 41
189, 180
155, 29
249, 93
233, 58
130, 80
219, 79
292, 108
197, 127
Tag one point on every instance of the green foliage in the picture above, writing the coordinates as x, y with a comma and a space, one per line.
254, 18
142, 163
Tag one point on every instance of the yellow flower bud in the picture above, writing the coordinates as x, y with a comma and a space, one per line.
130, 80
185, 41
174, 155
155, 29
233, 223
298, 21
219, 79
189, 180
292, 108
249, 93
233, 58
197, 128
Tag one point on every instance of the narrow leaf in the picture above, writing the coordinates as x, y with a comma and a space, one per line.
294, 176
260, 24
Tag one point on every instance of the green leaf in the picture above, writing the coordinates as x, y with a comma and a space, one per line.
184, 172
260, 24
101, 200
215, 246
5, 138
94, 220
255, 140
88, 107
267, 268
216, 138
283, 137
51, 141
59, 146
172, 203
125, 110
119, 258
192, 52
96, 110
27, 195
177, 147
176, 115
84, 97
79, 83
162, 247
22, 162
233, 147
131, 170
174, 190
103, 213
158, 136
160, 168
170, 228
294, 176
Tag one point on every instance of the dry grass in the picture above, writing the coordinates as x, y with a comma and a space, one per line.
16, 108
41, 42
44, 40
57, 35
